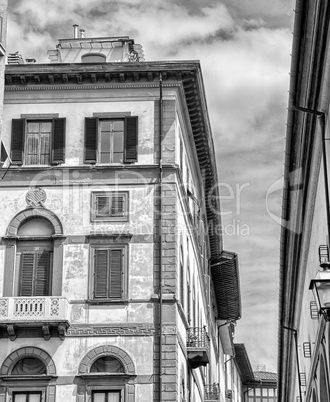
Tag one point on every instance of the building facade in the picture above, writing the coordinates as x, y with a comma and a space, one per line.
113, 279
304, 338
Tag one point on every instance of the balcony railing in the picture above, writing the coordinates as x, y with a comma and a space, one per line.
212, 392
46, 311
198, 344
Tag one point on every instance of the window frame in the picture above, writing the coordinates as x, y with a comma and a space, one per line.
103, 244
27, 393
113, 218
97, 389
19, 134
92, 138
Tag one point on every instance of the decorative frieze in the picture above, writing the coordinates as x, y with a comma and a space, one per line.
111, 330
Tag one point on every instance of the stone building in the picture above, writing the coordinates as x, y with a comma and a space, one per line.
304, 337
114, 283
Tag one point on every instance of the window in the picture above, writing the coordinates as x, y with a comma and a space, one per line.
111, 140
93, 58
38, 142
27, 396
29, 366
110, 206
35, 257
109, 272
106, 396
107, 364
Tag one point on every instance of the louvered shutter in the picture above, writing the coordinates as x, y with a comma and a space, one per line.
131, 138
117, 205
41, 286
91, 127
58, 145
17, 141
101, 273
116, 274
26, 274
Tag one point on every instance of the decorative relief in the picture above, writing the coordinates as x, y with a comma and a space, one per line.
54, 307
3, 308
36, 197
111, 331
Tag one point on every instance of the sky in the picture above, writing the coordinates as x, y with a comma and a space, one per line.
244, 48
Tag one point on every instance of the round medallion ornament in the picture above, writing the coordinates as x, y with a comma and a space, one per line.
36, 197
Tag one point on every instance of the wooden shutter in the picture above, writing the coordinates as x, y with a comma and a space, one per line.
58, 142
116, 274
42, 271
26, 274
91, 127
17, 141
117, 205
131, 138
101, 273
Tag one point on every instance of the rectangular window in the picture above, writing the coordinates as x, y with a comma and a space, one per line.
38, 142
37, 145
111, 140
27, 397
109, 273
106, 396
109, 206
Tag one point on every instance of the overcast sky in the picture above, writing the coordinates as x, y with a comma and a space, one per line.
244, 47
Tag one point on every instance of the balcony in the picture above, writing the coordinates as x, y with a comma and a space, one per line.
212, 392
198, 346
47, 314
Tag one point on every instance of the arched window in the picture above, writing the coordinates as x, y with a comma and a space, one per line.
26, 376
34, 254
93, 58
107, 364
29, 366
105, 374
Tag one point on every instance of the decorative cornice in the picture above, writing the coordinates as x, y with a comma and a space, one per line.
85, 86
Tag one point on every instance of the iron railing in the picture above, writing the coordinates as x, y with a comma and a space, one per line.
197, 337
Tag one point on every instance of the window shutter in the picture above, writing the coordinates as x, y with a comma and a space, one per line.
101, 273
117, 205
42, 273
131, 137
26, 282
91, 127
17, 141
116, 288
58, 150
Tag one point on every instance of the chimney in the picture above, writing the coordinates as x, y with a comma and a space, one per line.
75, 30
82, 33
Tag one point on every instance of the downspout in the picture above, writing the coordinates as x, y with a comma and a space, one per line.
160, 238
295, 334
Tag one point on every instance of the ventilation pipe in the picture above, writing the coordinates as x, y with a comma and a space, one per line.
82, 33
75, 30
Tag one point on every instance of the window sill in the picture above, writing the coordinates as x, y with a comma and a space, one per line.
106, 301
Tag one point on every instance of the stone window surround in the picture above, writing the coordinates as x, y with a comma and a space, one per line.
23, 383
90, 382
11, 239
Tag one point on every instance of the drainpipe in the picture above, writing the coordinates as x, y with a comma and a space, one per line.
295, 334
160, 238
